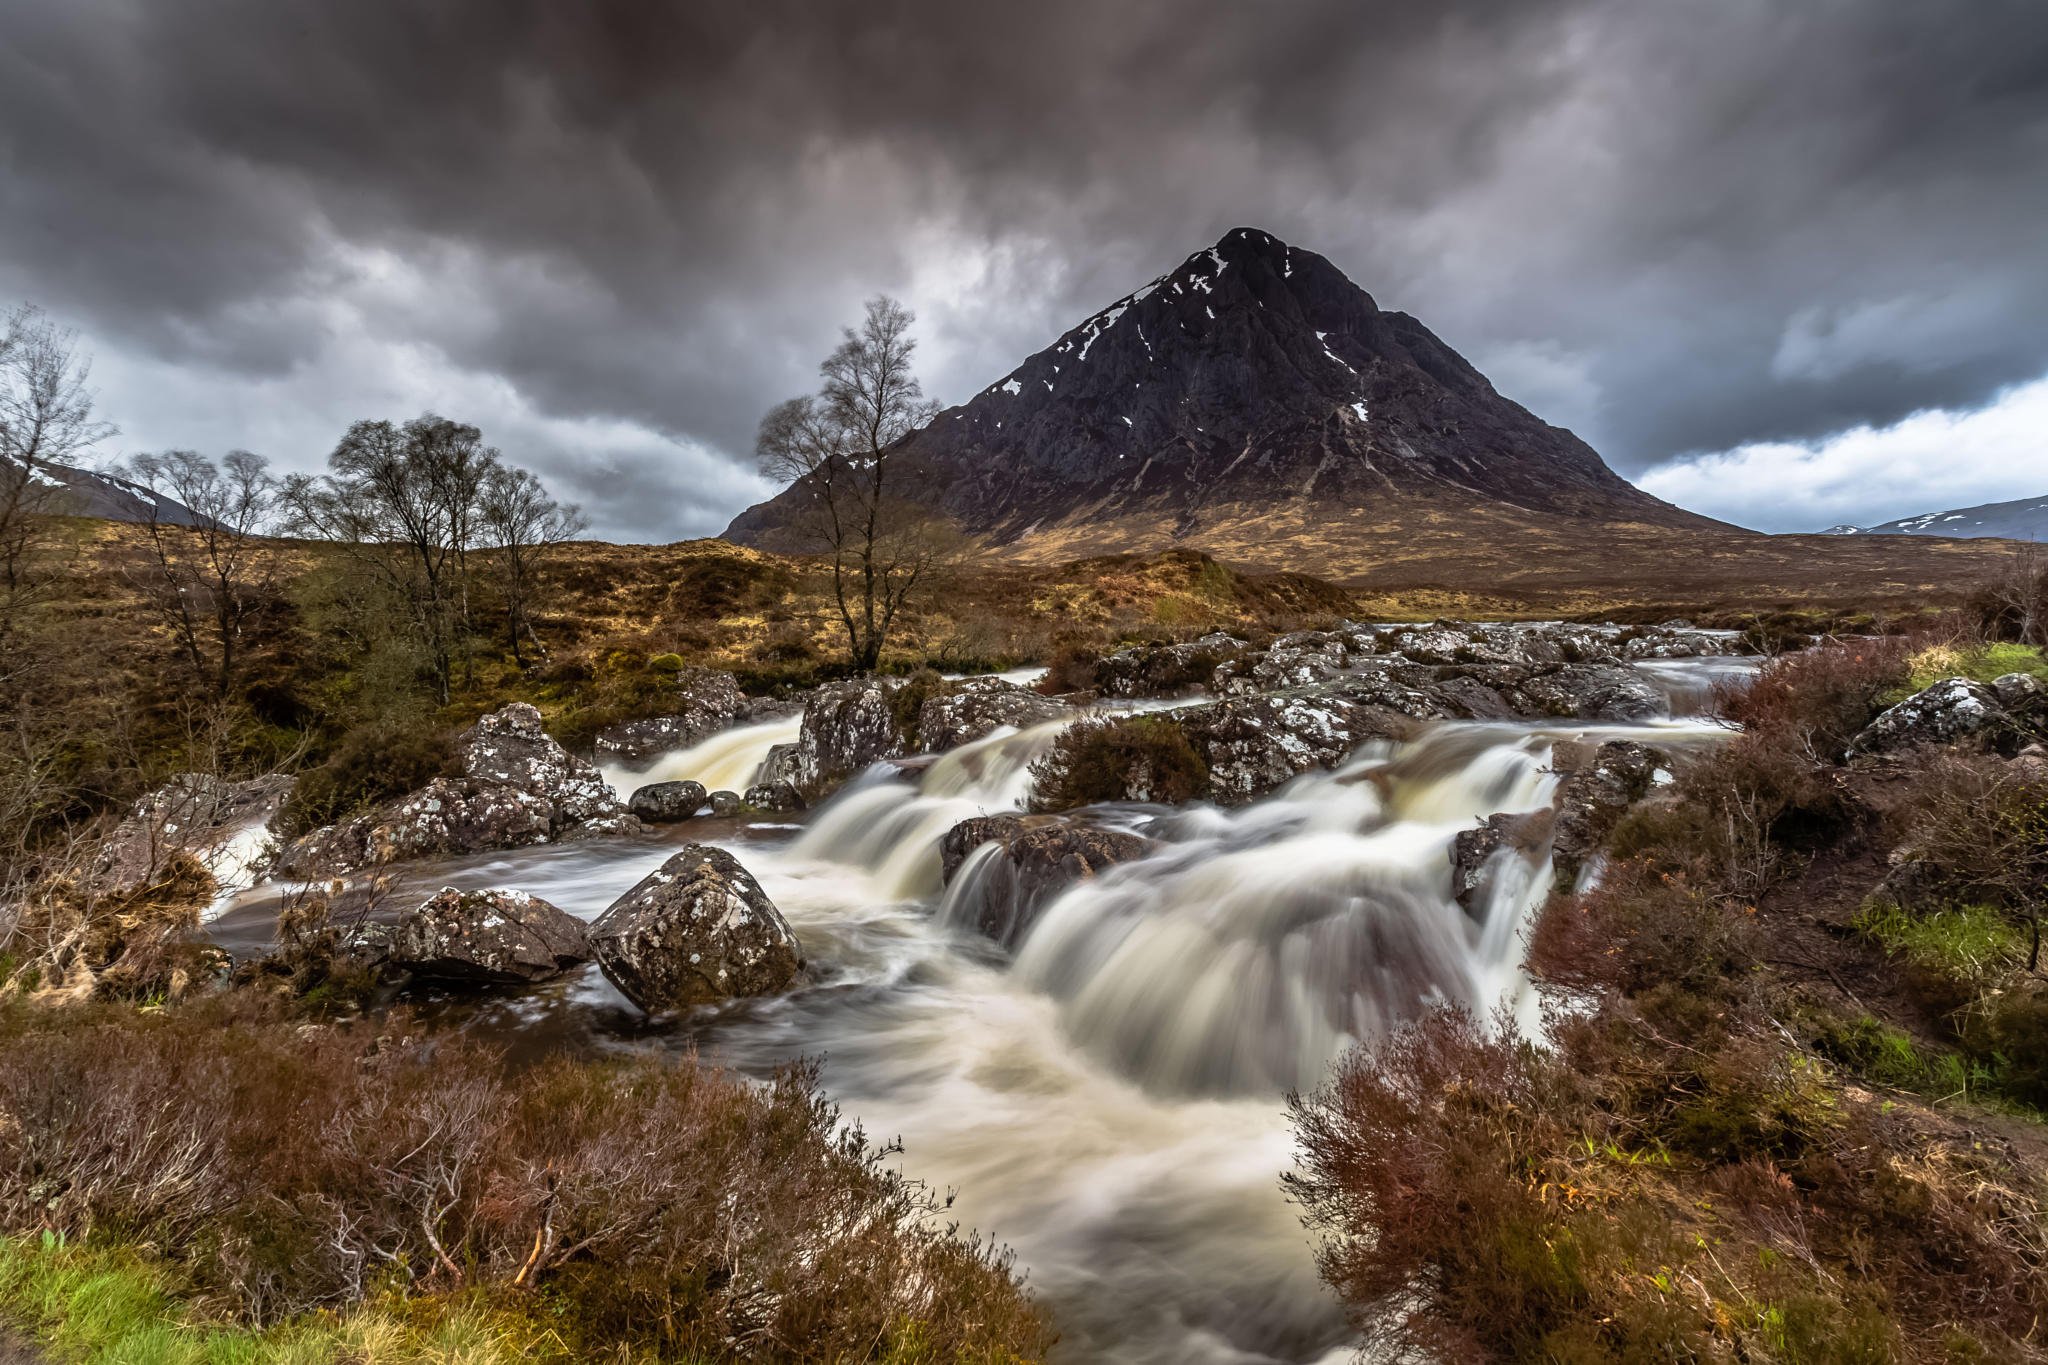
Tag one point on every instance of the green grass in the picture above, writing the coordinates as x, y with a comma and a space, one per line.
1885, 1056
103, 1306
1979, 663
1967, 943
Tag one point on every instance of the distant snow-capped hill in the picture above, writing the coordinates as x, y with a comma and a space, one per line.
66, 491
2020, 519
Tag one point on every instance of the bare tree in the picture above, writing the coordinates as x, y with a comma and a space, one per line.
524, 524
46, 422
843, 450
2018, 593
404, 501
208, 576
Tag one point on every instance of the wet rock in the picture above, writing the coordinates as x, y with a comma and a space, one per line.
725, 804
1257, 743
847, 725
617, 826
665, 803
488, 937
779, 767
706, 700
697, 930
760, 709
2017, 691
457, 815
1473, 862
1587, 691
510, 748
1941, 714
225, 825
1165, 670
974, 708
1300, 659
1591, 800
776, 796
999, 894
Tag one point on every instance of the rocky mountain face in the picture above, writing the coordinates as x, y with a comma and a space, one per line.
2020, 519
62, 490
1251, 399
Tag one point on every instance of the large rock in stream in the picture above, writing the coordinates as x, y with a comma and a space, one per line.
847, 725
518, 787
697, 930
494, 937
975, 708
1030, 861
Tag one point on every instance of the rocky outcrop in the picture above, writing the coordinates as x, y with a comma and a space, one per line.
725, 804
975, 708
518, 787
2019, 691
1166, 670
707, 701
1591, 800
847, 725
1583, 691
1476, 853
1298, 660
225, 825
697, 930
665, 803
1028, 863
488, 938
1951, 709
1255, 744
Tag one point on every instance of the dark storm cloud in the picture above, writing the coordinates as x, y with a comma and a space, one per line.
1679, 226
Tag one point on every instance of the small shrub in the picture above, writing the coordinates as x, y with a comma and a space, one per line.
2009, 1032
666, 663
1071, 669
1817, 700
371, 764
1134, 758
1966, 944
907, 701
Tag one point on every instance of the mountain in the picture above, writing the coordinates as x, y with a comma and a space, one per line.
66, 491
2020, 519
1255, 403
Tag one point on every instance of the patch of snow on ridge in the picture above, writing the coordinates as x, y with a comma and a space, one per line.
1011, 387
1359, 408
1097, 326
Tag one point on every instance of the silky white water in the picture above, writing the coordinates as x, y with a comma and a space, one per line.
727, 761
1107, 1101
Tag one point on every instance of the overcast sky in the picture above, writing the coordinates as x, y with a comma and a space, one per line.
1782, 261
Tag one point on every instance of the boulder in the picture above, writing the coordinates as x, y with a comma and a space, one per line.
518, 787
1301, 659
1587, 691
696, 930
1254, 744
1165, 670
1596, 793
1029, 863
975, 708
642, 741
2029, 764
665, 803
2017, 691
225, 825
847, 725
488, 937
510, 747
725, 804
1473, 860
779, 767
1949, 710
776, 796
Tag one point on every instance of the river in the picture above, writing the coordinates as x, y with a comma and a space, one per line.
1108, 1102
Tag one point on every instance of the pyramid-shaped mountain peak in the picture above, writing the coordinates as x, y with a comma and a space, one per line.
1249, 397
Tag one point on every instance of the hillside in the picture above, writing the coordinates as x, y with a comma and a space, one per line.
2020, 519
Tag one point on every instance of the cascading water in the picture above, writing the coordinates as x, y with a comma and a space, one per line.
727, 761
1107, 1100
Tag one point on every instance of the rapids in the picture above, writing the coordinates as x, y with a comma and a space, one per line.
1109, 1101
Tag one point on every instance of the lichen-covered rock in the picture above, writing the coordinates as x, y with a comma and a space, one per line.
847, 725
226, 825
776, 796
1591, 800
1474, 864
665, 803
644, 740
779, 767
1587, 691
2017, 691
1257, 743
510, 747
1301, 659
724, 804
1029, 861
697, 930
975, 708
488, 937
1165, 670
1941, 714
457, 815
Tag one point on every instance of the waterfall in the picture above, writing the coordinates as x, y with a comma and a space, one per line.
727, 761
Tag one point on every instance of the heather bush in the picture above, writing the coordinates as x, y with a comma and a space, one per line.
1133, 758
282, 1169
373, 763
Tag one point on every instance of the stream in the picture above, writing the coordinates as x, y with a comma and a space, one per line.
1107, 1101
